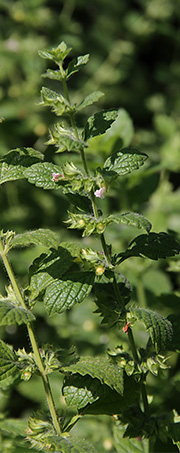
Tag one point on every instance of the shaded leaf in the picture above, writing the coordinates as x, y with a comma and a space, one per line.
8, 365
11, 314
99, 123
102, 368
160, 328
90, 99
153, 246
174, 343
44, 237
123, 162
13, 164
71, 289
41, 175
128, 445
50, 266
76, 64
108, 307
132, 219
111, 402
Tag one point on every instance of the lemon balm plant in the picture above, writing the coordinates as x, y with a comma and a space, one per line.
115, 383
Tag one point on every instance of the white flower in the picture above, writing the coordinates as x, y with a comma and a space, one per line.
100, 192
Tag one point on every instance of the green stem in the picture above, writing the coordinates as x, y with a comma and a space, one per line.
35, 349
105, 248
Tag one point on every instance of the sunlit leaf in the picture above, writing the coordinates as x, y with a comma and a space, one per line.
131, 219
101, 368
90, 99
44, 237
12, 314
123, 162
8, 365
14, 163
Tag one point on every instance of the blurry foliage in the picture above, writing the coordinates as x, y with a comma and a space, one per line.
134, 48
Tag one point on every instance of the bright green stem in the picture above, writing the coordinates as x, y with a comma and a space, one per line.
39, 363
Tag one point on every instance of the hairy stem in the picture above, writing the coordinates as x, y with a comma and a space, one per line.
34, 345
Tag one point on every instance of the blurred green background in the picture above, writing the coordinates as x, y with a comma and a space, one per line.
134, 51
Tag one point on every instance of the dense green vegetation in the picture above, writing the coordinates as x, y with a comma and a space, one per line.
134, 60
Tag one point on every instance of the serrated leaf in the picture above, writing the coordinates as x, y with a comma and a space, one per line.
13, 426
50, 266
160, 328
108, 307
42, 236
69, 444
90, 99
153, 246
8, 365
76, 64
101, 368
111, 402
41, 175
13, 164
128, 445
99, 123
123, 162
131, 219
79, 391
54, 75
53, 99
71, 289
11, 314
57, 54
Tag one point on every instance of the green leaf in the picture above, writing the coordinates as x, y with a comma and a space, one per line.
128, 445
57, 54
65, 139
8, 365
69, 444
41, 175
132, 219
44, 237
14, 427
50, 266
54, 75
153, 246
174, 344
101, 368
108, 307
11, 314
76, 64
55, 100
71, 289
109, 402
79, 391
90, 99
99, 123
13, 164
160, 328
123, 162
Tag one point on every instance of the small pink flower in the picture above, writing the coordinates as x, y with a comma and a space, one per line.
56, 176
100, 192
